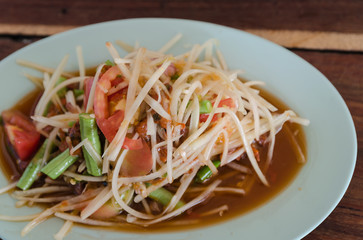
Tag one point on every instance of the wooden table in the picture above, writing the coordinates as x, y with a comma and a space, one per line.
338, 54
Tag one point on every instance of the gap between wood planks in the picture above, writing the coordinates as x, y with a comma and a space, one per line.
287, 38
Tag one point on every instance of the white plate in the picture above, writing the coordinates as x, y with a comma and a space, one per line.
331, 137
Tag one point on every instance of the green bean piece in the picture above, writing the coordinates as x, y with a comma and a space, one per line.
204, 172
205, 106
55, 173
47, 108
78, 92
61, 92
174, 77
32, 171
59, 164
89, 131
71, 123
163, 196
109, 63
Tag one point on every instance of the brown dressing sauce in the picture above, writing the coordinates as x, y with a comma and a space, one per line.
282, 171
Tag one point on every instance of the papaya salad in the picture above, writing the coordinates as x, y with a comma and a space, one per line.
141, 139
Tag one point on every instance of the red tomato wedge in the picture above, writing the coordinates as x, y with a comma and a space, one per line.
137, 162
22, 133
228, 102
109, 121
132, 144
204, 116
104, 84
109, 126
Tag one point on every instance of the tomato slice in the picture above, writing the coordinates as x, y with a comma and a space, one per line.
132, 144
204, 116
137, 162
21, 133
104, 84
228, 102
110, 125
117, 80
108, 118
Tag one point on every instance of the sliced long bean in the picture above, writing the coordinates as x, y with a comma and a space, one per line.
61, 92
109, 63
205, 106
59, 164
89, 131
163, 196
78, 92
32, 171
204, 172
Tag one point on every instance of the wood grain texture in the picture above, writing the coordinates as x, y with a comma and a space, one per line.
287, 38
312, 39
312, 15
32, 29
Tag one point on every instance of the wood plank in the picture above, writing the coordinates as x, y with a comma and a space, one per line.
309, 15
286, 38
33, 29
313, 40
